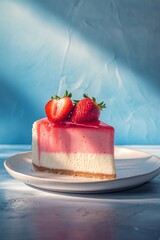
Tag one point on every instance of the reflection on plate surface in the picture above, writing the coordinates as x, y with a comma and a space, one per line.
133, 168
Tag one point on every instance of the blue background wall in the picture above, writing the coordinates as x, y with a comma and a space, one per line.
108, 49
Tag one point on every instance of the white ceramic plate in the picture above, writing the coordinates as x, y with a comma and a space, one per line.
133, 168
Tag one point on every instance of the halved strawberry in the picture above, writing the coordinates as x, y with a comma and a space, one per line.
87, 110
58, 109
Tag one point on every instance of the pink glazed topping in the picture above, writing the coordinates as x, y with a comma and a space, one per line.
68, 137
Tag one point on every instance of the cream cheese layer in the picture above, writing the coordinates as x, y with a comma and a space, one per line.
84, 162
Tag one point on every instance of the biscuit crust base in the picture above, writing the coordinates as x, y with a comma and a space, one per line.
74, 173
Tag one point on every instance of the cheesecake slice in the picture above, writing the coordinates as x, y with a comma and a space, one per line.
79, 149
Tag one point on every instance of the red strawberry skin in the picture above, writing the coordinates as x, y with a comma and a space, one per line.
86, 110
57, 110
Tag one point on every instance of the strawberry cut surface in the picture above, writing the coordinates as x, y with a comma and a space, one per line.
58, 110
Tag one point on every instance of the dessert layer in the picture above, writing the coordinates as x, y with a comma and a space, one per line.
79, 162
73, 138
75, 173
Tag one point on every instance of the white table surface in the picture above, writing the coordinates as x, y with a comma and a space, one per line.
29, 213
